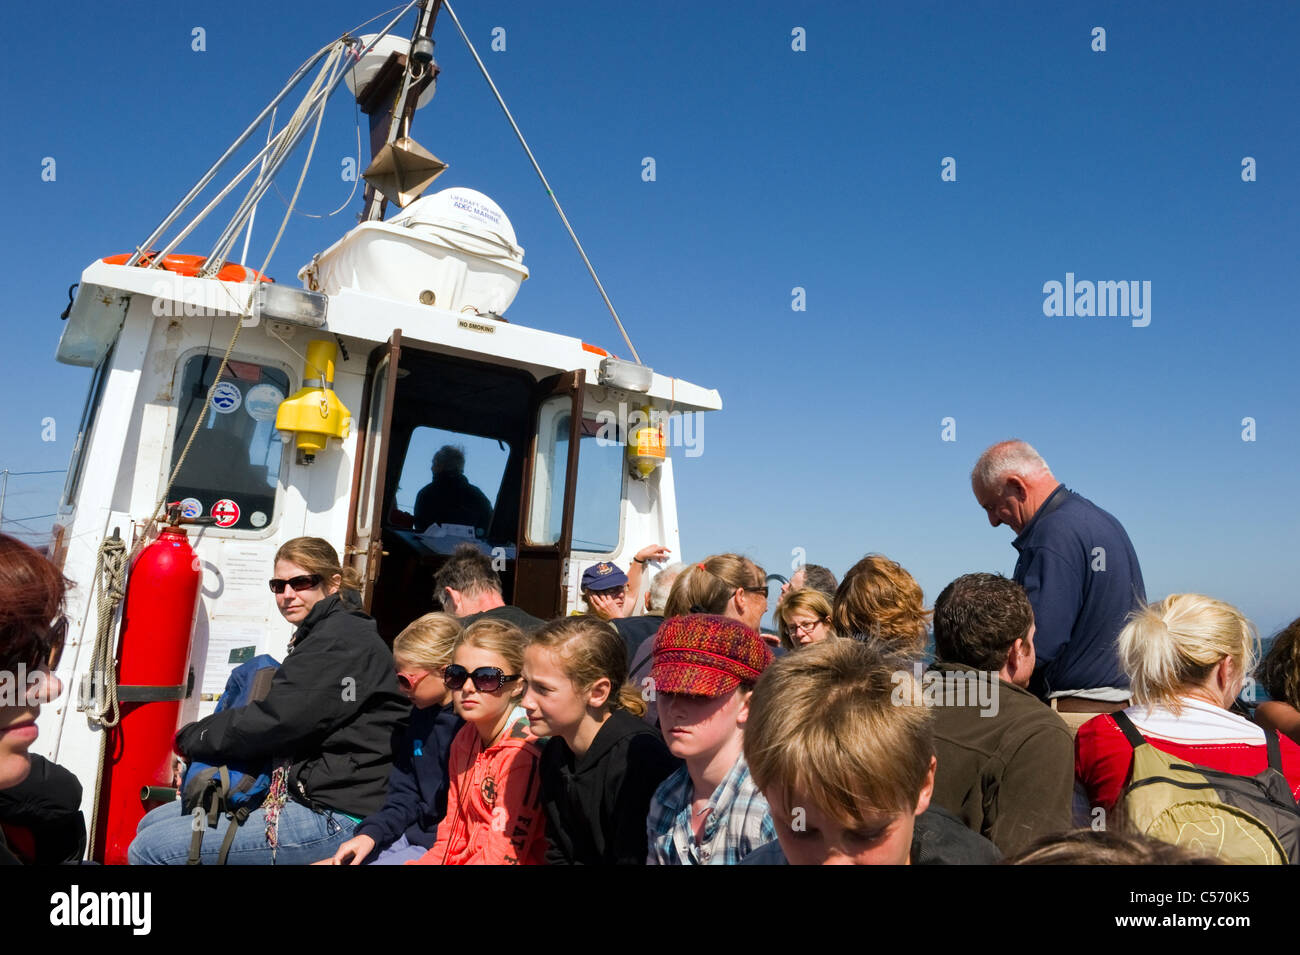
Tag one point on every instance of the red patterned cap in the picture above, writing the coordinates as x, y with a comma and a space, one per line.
706, 655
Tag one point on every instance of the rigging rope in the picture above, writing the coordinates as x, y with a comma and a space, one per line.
565, 219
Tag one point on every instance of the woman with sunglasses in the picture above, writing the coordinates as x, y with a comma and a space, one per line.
494, 814
803, 618
32, 628
407, 827
326, 726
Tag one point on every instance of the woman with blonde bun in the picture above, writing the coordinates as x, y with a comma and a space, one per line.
1187, 658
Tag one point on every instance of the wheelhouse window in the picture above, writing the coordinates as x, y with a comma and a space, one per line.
233, 467
597, 506
450, 482
88, 415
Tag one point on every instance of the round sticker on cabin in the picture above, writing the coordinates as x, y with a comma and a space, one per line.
226, 512
257, 519
227, 397
263, 401
191, 507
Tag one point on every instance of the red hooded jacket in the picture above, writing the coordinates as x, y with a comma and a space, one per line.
494, 814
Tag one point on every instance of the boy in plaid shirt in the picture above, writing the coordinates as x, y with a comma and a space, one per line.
709, 812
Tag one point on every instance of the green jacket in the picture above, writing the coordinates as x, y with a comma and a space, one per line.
1008, 775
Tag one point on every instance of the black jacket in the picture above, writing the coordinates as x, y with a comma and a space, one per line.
596, 807
47, 804
417, 785
636, 631
333, 709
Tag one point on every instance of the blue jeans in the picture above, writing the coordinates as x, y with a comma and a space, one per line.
399, 853
163, 837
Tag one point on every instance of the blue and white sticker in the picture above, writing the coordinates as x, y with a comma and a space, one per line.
191, 507
263, 401
227, 397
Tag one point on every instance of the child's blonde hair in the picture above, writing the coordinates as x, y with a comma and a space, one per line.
428, 642
499, 637
842, 724
589, 649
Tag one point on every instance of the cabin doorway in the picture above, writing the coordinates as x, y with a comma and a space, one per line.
454, 450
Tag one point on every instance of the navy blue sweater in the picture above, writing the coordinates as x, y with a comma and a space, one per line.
417, 784
1082, 576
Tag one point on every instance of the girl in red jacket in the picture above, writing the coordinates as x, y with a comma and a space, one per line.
494, 815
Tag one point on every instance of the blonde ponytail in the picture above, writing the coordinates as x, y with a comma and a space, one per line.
1173, 645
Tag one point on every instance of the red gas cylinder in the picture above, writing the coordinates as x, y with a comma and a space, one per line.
153, 669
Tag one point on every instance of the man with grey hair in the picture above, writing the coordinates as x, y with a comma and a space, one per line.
1081, 574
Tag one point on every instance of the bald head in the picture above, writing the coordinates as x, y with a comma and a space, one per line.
1011, 481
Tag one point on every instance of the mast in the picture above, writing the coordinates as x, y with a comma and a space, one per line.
399, 167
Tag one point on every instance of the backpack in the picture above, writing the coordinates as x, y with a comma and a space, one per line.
237, 788
1250, 820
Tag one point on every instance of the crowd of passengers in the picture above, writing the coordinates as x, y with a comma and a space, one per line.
667, 729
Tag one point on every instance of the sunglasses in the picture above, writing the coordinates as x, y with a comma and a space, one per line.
406, 683
44, 648
305, 582
486, 679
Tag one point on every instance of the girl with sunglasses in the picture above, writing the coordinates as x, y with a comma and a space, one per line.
326, 727
494, 814
407, 827
602, 763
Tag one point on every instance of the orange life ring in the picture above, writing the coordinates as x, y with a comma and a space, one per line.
189, 265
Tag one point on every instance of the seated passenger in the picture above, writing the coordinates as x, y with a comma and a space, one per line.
841, 747
604, 589
407, 827
611, 594
32, 628
1279, 675
726, 585
1187, 657
803, 617
709, 812
601, 764
494, 813
880, 600
470, 590
327, 725
449, 498
1005, 759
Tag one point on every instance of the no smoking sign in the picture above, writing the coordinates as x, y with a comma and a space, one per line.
226, 512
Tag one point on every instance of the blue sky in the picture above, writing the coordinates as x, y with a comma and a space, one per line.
777, 169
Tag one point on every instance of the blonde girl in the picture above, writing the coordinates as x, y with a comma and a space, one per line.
494, 814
